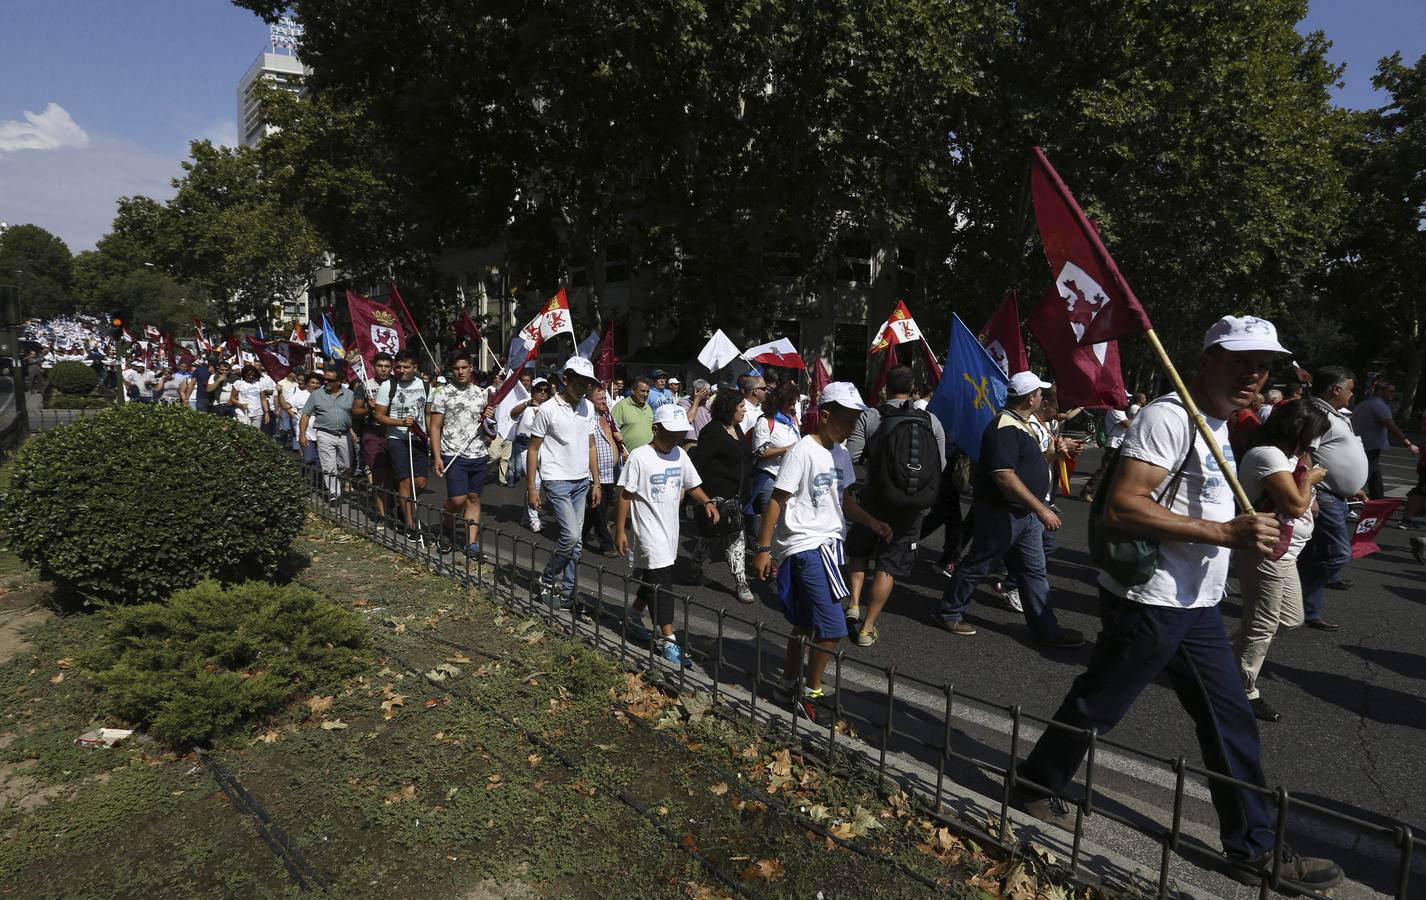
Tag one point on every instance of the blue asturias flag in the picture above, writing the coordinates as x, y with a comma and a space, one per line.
331, 346
972, 388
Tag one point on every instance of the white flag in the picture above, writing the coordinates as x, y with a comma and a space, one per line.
586, 347
718, 352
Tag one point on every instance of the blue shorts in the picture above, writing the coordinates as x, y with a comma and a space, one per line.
811, 595
464, 475
415, 462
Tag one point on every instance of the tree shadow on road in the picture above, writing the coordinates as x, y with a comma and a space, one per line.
1380, 704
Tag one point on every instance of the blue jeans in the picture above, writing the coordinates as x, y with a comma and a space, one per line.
1190, 647
1018, 538
519, 450
1327, 552
565, 500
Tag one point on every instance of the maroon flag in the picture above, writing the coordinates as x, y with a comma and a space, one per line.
278, 357
1086, 376
466, 327
933, 365
1374, 515
168, 351
889, 361
605, 361
1002, 339
185, 355
375, 327
821, 377
1100, 304
401, 305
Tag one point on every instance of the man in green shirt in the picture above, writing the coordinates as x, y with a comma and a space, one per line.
635, 417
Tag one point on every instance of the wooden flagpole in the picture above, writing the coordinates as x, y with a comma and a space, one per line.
1198, 420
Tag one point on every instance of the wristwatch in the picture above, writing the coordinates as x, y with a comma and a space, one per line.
764, 549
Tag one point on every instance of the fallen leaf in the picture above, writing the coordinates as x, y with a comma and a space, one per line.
270, 737
819, 813
334, 725
719, 789
57, 679
782, 763
451, 794
432, 703
764, 870
1044, 854
65, 663
406, 793
319, 705
1020, 884
662, 810
534, 637
605, 747
863, 822
393, 705
842, 831
534, 759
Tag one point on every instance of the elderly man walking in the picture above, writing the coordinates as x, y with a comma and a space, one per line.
1169, 488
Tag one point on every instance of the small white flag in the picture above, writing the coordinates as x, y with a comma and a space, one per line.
718, 352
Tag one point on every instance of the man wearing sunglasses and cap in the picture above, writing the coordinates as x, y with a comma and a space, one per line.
563, 456
1170, 624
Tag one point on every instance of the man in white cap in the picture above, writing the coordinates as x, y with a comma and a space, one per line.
563, 456
809, 509
651, 485
1011, 517
1169, 623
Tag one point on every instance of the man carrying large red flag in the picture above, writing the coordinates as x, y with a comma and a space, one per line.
1085, 375
278, 357
375, 327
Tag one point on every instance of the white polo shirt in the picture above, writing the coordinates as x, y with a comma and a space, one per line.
565, 433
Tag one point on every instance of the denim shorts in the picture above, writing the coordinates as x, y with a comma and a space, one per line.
809, 597
464, 475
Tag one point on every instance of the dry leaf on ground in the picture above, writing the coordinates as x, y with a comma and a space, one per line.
319, 705
782, 763
719, 789
334, 725
764, 870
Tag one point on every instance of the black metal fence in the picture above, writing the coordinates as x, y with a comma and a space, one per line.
876, 708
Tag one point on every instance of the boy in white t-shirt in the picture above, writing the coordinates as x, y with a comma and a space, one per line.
651, 485
809, 510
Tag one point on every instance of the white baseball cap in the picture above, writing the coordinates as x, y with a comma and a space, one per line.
671, 417
580, 366
1023, 384
673, 379
537, 382
1238, 333
842, 393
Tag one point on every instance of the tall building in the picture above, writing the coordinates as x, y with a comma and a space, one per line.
283, 70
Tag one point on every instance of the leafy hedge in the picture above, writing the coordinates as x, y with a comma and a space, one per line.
211, 658
142, 500
71, 377
77, 401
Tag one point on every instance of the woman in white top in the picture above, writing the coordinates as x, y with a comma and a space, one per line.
248, 398
1278, 476
773, 435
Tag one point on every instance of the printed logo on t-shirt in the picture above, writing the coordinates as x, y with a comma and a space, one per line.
824, 483
670, 480
1213, 481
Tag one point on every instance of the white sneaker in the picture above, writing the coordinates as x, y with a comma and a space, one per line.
1012, 596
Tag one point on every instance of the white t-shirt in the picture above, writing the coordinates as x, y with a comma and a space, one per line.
751, 414
565, 432
1188, 575
1116, 425
527, 421
1260, 462
250, 393
402, 400
770, 433
656, 482
296, 397
815, 478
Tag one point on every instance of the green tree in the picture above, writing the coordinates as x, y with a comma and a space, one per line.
40, 265
1372, 281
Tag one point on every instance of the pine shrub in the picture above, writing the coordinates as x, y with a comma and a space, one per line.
71, 377
142, 500
212, 658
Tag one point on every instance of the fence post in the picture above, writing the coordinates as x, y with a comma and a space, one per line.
1010, 773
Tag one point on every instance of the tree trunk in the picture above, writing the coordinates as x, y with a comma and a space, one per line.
1414, 362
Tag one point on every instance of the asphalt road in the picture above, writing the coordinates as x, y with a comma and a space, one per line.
1353, 702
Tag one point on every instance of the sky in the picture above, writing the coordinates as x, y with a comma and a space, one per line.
99, 99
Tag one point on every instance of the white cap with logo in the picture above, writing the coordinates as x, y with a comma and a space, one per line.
1023, 384
1242, 333
671, 417
842, 393
580, 366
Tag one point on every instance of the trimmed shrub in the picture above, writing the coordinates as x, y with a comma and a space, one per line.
142, 500
201, 665
77, 401
71, 377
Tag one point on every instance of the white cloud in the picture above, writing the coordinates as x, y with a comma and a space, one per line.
73, 191
223, 133
49, 130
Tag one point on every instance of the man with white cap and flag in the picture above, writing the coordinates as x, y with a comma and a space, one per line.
563, 455
809, 509
1011, 517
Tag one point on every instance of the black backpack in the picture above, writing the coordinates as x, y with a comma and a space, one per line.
903, 466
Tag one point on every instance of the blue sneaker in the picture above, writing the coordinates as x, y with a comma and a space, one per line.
674, 654
473, 550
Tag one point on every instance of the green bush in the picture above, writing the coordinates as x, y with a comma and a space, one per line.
77, 401
211, 658
72, 377
142, 500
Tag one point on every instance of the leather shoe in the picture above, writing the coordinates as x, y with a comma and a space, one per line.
1067, 638
1344, 585
1321, 625
1262, 712
1418, 549
964, 629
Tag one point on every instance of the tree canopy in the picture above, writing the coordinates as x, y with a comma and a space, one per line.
40, 265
